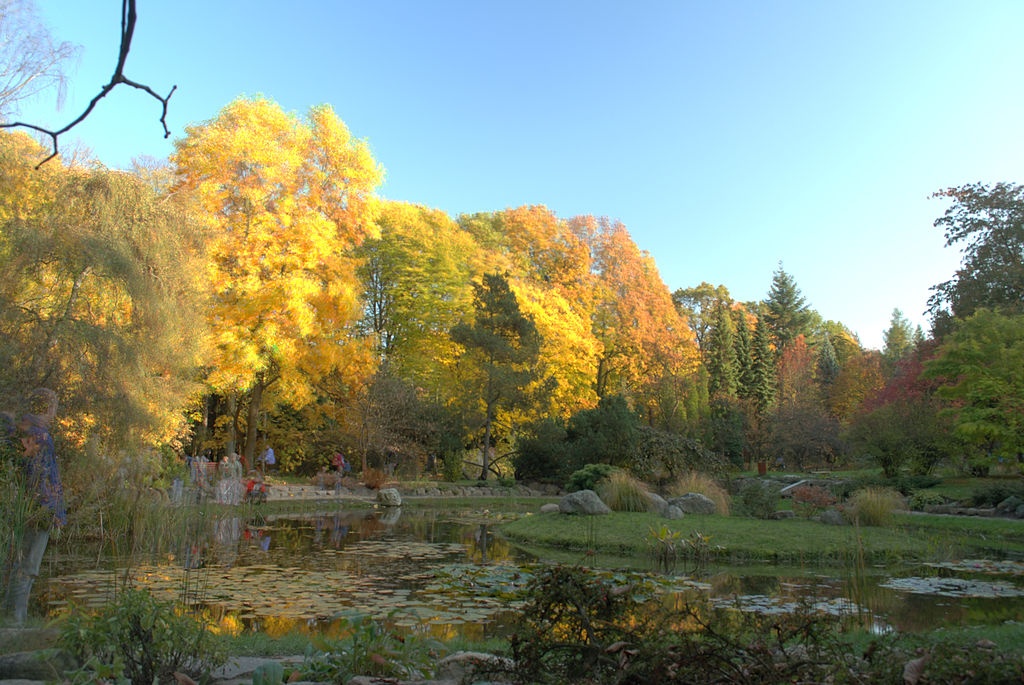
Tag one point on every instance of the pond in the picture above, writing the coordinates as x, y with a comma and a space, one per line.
447, 573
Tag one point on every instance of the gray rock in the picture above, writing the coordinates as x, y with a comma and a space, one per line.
656, 503
673, 513
389, 497
1009, 505
468, 667
694, 503
549, 508
782, 515
583, 502
47, 664
832, 517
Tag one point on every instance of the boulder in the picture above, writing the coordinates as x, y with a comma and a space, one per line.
694, 503
583, 502
673, 513
549, 508
832, 517
471, 667
389, 497
656, 503
1009, 505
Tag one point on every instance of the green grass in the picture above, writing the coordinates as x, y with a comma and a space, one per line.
790, 541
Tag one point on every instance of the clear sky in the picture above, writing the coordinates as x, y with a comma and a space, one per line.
728, 135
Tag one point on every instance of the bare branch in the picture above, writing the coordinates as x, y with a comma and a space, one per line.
128, 17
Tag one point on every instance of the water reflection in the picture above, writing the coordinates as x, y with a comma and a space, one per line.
439, 573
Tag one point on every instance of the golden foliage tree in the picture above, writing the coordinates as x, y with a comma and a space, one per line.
290, 199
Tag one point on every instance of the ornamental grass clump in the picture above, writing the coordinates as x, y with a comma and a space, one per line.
874, 506
622, 492
702, 484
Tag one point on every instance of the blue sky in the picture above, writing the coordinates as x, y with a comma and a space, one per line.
728, 136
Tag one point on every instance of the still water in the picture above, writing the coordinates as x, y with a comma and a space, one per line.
447, 573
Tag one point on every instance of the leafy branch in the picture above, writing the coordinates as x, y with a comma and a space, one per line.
128, 17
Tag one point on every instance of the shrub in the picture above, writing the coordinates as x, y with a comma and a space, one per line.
874, 506
371, 648
622, 492
993, 494
587, 477
922, 499
374, 478
759, 499
810, 500
703, 484
142, 640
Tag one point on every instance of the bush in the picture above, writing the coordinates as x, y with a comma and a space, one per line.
622, 492
993, 494
588, 476
371, 648
374, 478
811, 500
922, 499
874, 506
140, 639
702, 484
759, 499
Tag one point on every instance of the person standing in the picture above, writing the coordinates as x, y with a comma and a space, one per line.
42, 482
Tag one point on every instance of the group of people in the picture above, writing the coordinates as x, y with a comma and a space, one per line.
29, 444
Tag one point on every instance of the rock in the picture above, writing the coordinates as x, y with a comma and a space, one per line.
694, 503
1009, 505
583, 502
549, 508
656, 503
673, 513
470, 667
1020, 512
47, 664
832, 517
783, 515
389, 497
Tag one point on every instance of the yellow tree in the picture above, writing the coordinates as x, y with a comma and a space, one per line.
290, 200
644, 340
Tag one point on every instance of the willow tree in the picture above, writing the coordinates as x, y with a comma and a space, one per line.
97, 293
289, 200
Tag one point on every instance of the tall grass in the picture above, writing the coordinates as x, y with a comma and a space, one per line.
622, 492
874, 506
703, 484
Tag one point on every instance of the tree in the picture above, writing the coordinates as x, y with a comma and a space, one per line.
987, 222
503, 346
99, 284
720, 355
31, 62
699, 305
898, 338
290, 200
981, 366
786, 310
762, 386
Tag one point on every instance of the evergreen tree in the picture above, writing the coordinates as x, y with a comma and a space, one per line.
723, 369
744, 355
505, 345
787, 312
828, 364
899, 338
762, 391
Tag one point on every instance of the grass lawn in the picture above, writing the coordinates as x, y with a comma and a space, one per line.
914, 537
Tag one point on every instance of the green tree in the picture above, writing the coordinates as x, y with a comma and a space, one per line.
699, 305
987, 223
763, 376
898, 339
786, 310
503, 346
720, 356
828, 364
981, 366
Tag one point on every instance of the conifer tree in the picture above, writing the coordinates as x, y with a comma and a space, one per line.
763, 389
744, 355
787, 312
723, 369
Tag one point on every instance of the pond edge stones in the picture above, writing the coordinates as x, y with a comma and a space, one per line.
584, 502
389, 497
